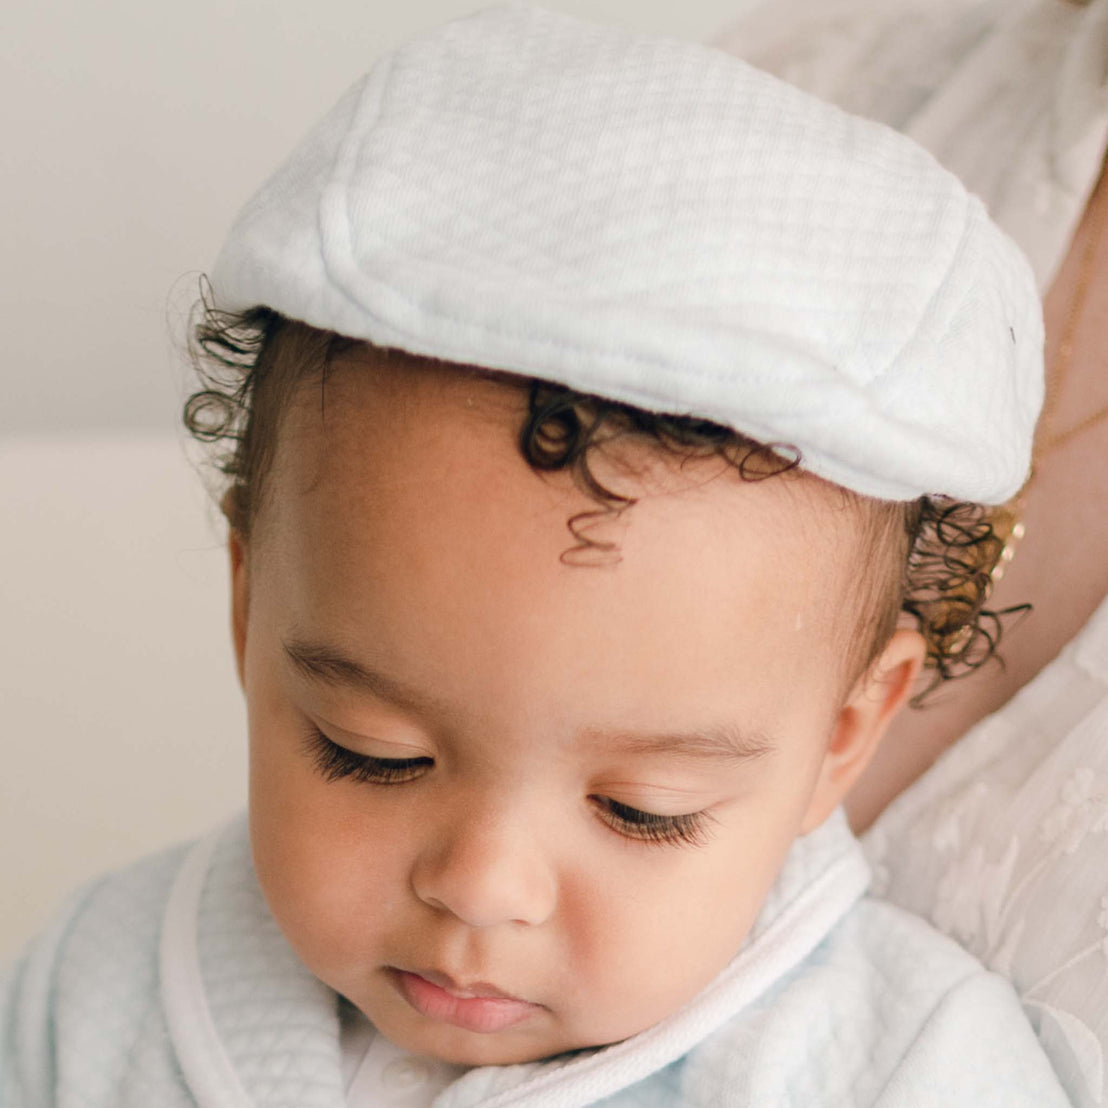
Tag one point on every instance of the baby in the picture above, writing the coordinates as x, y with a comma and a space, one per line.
605, 421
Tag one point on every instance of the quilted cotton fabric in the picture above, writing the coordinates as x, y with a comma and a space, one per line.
81, 1023
278, 1023
661, 223
169, 984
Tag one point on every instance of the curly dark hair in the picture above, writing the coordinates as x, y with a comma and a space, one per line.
939, 556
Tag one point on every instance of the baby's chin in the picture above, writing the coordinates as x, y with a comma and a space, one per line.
488, 1054
467, 1048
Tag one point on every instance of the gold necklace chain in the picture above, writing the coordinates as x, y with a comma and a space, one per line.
1047, 443
1007, 520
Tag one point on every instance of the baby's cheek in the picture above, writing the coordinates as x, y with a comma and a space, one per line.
321, 860
647, 940
325, 906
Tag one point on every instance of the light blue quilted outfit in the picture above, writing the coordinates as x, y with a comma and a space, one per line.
169, 984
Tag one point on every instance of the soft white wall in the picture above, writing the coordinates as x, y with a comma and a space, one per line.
122, 722
132, 133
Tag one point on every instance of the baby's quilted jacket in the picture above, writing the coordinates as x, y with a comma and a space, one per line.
170, 984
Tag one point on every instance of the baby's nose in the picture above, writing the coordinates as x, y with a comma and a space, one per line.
483, 867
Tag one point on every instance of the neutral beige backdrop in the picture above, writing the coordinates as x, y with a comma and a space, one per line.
132, 133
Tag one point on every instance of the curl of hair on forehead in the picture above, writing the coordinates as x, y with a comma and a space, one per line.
929, 563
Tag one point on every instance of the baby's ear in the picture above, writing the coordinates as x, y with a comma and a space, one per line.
862, 721
240, 597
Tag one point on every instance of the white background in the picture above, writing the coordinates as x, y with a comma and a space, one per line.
133, 130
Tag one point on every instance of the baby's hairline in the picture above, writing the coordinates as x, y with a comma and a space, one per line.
785, 469
251, 362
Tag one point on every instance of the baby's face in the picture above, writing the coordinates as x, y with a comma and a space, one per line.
511, 807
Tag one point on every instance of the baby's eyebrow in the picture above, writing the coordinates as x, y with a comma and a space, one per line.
329, 666
729, 742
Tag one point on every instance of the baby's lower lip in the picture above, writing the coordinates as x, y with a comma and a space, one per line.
483, 1014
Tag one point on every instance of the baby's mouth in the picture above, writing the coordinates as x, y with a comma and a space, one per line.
478, 989
475, 1006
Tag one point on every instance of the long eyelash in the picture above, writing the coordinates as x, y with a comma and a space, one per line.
690, 829
335, 762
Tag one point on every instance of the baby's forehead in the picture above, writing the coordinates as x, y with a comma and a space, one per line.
398, 423
401, 490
